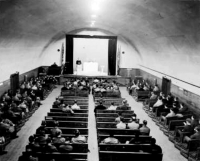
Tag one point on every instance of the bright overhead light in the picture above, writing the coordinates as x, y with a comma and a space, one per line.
95, 7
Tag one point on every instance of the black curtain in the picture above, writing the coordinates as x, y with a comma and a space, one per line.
68, 69
166, 86
112, 48
14, 82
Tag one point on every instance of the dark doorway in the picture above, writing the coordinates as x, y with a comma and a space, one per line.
14, 82
166, 85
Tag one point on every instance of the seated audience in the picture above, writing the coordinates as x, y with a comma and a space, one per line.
118, 119
110, 139
133, 124
183, 108
58, 139
100, 107
2, 144
144, 130
7, 127
55, 129
121, 124
154, 147
124, 106
75, 106
67, 109
196, 135
78, 138
112, 106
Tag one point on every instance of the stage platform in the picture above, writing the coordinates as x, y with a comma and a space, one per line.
90, 73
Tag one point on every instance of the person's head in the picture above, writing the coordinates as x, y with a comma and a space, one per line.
182, 105
194, 117
134, 116
55, 123
175, 110
122, 119
175, 98
145, 122
160, 97
112, 103
43, 123
75, 101
58, 133
31, 139
76, 132
124, 102
169, 95
188, 121
197, 129
101, 102
153, 141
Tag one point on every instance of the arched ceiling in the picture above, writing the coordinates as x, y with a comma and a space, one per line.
159, 29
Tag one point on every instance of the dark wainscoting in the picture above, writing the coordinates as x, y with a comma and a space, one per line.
128, 72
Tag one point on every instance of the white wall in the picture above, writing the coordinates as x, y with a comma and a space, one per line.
91, 50
51, 54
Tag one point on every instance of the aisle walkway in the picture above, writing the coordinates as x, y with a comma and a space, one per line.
93, 155
17, 146
170, 153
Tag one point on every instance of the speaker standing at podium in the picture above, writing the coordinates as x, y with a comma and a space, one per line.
78, 66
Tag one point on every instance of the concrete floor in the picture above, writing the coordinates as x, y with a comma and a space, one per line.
17, 146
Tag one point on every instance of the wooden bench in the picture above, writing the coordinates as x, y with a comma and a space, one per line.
77, 124
128, 156
109, 99
57, 156
110, 119
64, 118
123, 138
125, 147
116, 111
107, 131
75, 111
82, 107
79, 103
65, 130
73, 98
78, 100
67, 114
107, 125
126, 115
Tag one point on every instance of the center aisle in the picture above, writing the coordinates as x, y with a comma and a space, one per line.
170, 153
93, 155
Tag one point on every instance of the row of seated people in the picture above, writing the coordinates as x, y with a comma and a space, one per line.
51, 138
112, 106
141, 91
141, 86
119, 138
176, 121
17, 108
78, 83
102, 87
